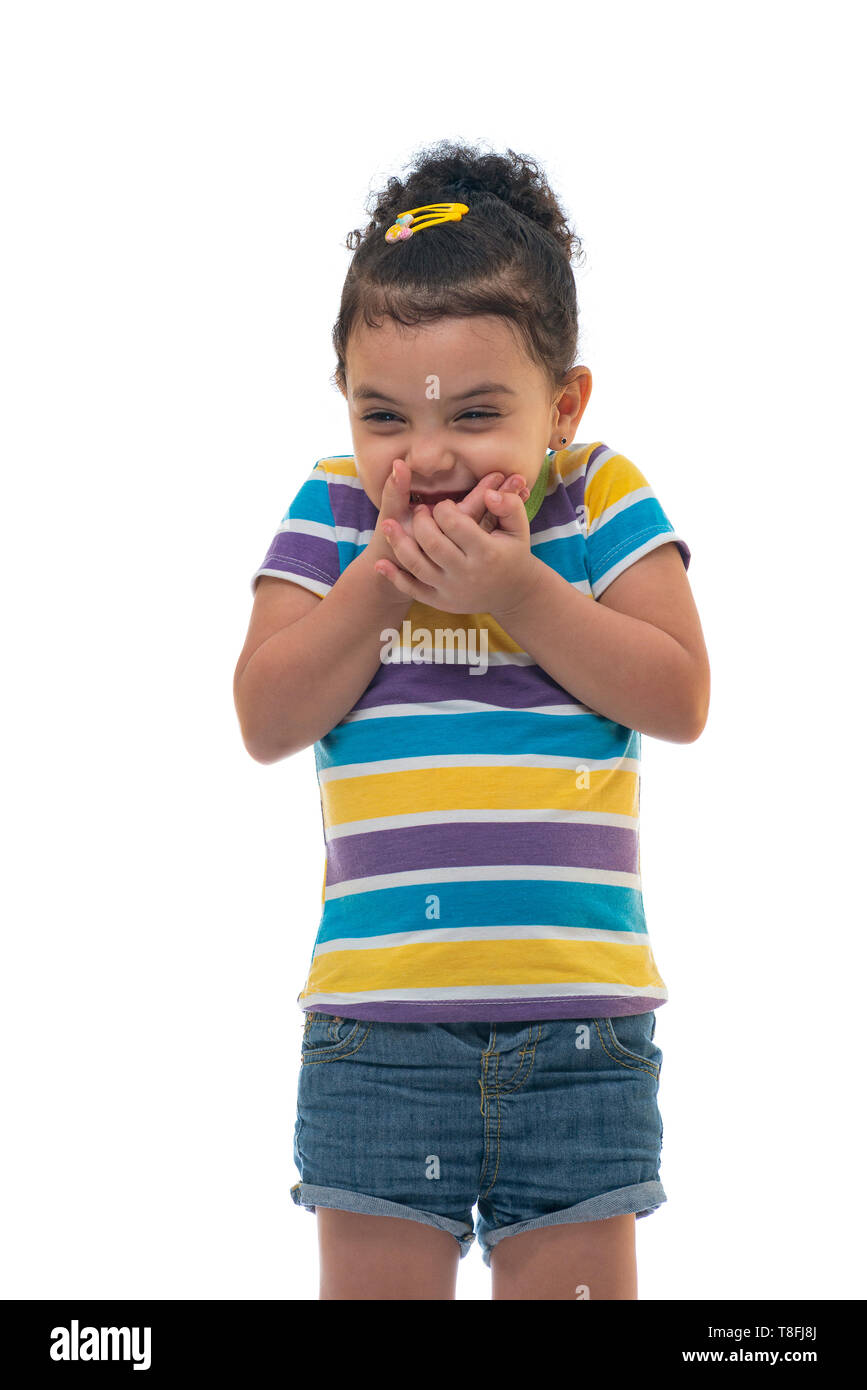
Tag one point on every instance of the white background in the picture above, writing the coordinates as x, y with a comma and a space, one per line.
178, 182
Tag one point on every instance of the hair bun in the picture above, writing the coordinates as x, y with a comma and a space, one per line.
450, 171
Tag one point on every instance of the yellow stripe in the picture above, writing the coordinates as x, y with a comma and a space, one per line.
617, 477
344, 467
478, 788
567, 461
444, 964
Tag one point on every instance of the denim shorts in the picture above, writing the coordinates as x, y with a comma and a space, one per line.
536, 1124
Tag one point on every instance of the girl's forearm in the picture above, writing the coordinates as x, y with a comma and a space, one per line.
619, 666
306, 677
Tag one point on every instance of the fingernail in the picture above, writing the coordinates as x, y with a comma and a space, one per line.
493, 493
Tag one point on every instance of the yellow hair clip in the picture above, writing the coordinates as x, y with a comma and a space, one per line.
406, 222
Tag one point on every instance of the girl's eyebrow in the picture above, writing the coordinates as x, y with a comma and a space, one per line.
487, 388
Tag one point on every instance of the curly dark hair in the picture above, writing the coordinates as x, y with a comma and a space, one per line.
511, 255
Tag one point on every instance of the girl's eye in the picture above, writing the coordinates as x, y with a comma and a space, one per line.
479, 414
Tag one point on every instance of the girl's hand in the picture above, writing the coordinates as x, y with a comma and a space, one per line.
395, 507
451, 563
395, 510
514, 483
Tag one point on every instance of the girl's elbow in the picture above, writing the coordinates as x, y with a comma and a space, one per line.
699, 719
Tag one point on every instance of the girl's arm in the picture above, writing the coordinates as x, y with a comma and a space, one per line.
296, 681
307, 660
635, 655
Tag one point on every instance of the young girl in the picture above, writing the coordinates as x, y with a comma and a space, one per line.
473, 619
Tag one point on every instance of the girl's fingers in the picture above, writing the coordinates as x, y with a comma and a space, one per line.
388, 571
513, 484
460, 529
411, 555
403, 581
473, 504
510, 510
396, 491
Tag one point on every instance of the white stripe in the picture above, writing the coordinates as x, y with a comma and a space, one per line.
593, 468
450, 935
304, 581
361, 827
638, 494
300, 526
458, 707
344, 479
566, 530
568, 479
435, 761
608, 576
492, 658
471, 873
489, 993
323, 531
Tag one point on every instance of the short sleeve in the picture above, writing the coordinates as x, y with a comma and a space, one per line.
624, 520
305, 547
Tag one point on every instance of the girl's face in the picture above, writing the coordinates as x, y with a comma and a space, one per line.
418, 394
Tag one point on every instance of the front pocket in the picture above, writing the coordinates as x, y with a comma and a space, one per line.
634, 1048
327, 1036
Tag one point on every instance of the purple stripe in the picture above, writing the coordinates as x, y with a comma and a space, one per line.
511, 687
556, 510
460, 845
575, 491
312, 554
494, 1010
351, 506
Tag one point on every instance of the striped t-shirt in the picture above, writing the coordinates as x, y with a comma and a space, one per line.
480, 823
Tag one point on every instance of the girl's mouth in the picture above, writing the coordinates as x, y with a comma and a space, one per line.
430, 499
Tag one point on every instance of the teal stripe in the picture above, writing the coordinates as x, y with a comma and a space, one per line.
566, 555
484, 903
488, 731
625, 532
311, 503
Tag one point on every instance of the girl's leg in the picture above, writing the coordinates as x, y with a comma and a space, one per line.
383, 1257
551, 1262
